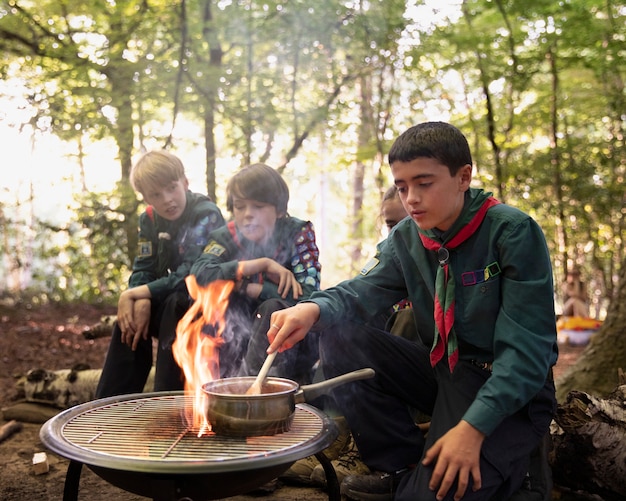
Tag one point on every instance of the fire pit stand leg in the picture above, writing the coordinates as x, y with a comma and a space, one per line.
332, 483
72, 481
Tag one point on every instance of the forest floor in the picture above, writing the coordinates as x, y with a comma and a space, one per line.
51, 337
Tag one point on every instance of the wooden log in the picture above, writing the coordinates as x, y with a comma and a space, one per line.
30, 412
103, 328
64, 388
8, 429
589, 444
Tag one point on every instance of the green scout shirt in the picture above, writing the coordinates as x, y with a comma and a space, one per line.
167, 249
292, 245
504, 307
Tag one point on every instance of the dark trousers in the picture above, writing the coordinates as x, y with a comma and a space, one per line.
126, 371
378, 411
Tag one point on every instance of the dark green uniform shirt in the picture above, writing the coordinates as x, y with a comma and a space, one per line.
292, 245
167, 249
504, 307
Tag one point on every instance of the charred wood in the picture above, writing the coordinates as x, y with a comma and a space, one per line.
589, 444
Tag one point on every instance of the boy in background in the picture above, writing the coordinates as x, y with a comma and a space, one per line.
482, 368
274, 260
391, 209
401, 322
173, 230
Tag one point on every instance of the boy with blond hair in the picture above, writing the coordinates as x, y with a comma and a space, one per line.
173, 231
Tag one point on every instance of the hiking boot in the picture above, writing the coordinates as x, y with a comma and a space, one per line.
342, 443
349, 463
377, 486
300, 472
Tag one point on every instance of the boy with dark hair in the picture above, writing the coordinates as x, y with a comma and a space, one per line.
173, 230
482, 368
391, 209
274, 260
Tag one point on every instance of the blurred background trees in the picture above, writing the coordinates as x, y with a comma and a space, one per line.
318, 90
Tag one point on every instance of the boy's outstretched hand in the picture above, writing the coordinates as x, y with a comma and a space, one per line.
291, 325
457, 456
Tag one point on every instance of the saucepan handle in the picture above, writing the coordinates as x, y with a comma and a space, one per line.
309, 392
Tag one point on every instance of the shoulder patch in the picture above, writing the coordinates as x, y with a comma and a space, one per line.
214, 249
369, 266
144, 248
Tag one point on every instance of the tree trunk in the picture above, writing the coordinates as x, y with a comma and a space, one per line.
365, 137
210, 94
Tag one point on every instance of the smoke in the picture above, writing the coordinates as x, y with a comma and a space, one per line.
236, 335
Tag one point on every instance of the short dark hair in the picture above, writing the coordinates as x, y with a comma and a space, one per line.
391, 193
438, 140
258, 182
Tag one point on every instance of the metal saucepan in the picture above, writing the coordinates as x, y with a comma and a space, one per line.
233, 413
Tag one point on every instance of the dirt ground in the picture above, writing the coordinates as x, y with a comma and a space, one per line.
51, 337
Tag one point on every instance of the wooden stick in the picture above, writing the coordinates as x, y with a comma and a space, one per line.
257, 386
9, 429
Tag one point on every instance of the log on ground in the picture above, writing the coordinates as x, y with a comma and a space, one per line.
589, 444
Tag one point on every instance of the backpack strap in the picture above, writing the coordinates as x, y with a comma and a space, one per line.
233, 233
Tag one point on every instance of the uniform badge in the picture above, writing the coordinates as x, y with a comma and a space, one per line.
214, 249
369, 266
144, 248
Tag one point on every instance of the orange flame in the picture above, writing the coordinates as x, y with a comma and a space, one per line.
197, 352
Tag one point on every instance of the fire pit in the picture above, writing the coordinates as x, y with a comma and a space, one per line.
140, 443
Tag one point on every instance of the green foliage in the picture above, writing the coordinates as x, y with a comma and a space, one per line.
544, 114
537, 86
88, 263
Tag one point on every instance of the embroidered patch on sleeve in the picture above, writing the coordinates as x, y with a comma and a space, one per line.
369, 266
144, 249
214, 249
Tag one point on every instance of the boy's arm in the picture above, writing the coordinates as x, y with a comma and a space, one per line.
524, 341
303, 263
197, 238
291, 325
379, 285
216, 260
145, 263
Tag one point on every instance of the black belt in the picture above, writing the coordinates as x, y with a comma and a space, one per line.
488, 366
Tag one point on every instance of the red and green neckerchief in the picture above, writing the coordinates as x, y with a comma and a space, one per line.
470, 220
